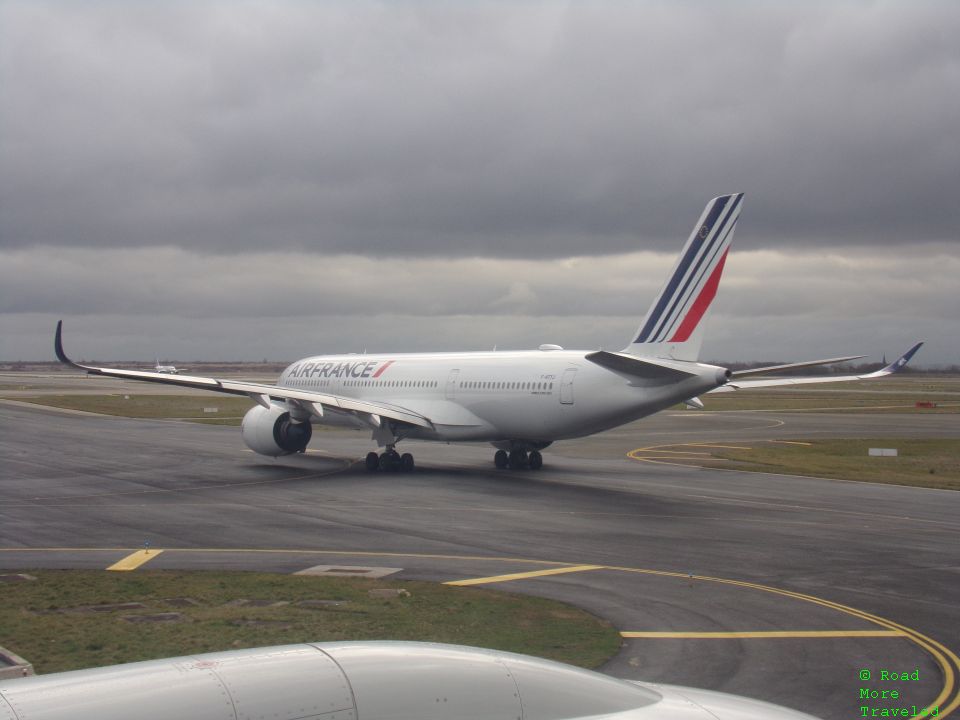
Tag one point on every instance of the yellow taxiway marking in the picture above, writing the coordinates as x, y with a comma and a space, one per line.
767, 634
135, 560
524, 575
944, 656
659, 449
790, 442
724, 447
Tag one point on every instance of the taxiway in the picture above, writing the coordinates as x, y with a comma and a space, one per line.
774, 587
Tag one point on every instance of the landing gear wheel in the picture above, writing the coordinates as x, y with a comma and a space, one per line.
406, 462
390, 461
373, 462
518, 459
501, 459
536, 460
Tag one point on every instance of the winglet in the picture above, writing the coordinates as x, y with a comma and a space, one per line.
62, 356
898, 364
58, 346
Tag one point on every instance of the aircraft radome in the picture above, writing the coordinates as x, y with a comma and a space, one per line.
519, 401
359, 680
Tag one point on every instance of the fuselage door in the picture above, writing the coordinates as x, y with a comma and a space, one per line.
452, 383
566, 386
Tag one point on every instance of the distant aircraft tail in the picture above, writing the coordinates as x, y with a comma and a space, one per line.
672, 327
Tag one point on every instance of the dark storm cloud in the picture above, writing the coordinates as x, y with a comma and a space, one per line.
245, 179
536, 130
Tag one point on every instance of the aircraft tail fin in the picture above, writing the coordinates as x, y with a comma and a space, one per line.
672, 327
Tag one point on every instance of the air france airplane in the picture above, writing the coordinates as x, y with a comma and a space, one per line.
519, 401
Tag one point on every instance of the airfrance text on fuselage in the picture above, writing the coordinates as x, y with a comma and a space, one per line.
359, 369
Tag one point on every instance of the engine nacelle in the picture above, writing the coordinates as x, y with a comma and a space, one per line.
271, 431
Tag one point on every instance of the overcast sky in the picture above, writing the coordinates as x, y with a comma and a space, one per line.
249, 180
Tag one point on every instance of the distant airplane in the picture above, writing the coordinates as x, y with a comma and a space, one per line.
165, 369
361, 680
519, 401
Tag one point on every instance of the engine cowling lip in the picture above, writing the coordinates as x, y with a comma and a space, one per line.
272, 432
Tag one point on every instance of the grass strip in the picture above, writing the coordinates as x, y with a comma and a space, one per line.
229, 410
921, 463
53, 621
788, 399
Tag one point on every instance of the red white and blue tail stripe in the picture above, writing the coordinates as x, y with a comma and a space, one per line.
671, 326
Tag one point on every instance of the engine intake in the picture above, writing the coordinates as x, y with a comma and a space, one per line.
271, 431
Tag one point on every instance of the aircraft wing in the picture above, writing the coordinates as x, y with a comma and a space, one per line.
737, 384
790, 366
312, 401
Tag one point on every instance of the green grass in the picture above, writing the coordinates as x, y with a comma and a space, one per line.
44, 620
924, 463
836, 402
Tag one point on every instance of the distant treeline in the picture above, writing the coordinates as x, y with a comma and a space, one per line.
192, 367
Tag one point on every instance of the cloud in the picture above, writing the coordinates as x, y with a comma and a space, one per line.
771, 304
532, 130
273, 284
404, 171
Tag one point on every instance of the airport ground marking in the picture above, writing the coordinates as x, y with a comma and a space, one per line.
524, 575
722, 447
944, 657
940, 653
755, 634
134, 560
303, 551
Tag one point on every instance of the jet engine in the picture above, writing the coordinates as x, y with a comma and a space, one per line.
271, 431
347, 681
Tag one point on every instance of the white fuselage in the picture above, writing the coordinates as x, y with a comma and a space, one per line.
535, 396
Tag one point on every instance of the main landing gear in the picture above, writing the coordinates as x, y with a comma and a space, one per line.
389, 461
518, 459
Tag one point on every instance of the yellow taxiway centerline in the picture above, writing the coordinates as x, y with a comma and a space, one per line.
767, 634
523, 575
722, 447
134, 560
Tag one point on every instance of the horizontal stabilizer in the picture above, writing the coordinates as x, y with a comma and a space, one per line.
638, 367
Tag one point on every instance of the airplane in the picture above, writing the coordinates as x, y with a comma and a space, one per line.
519, 401
360, 680
165, 369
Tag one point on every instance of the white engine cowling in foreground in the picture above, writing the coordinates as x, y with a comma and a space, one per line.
272, 432
359, 681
